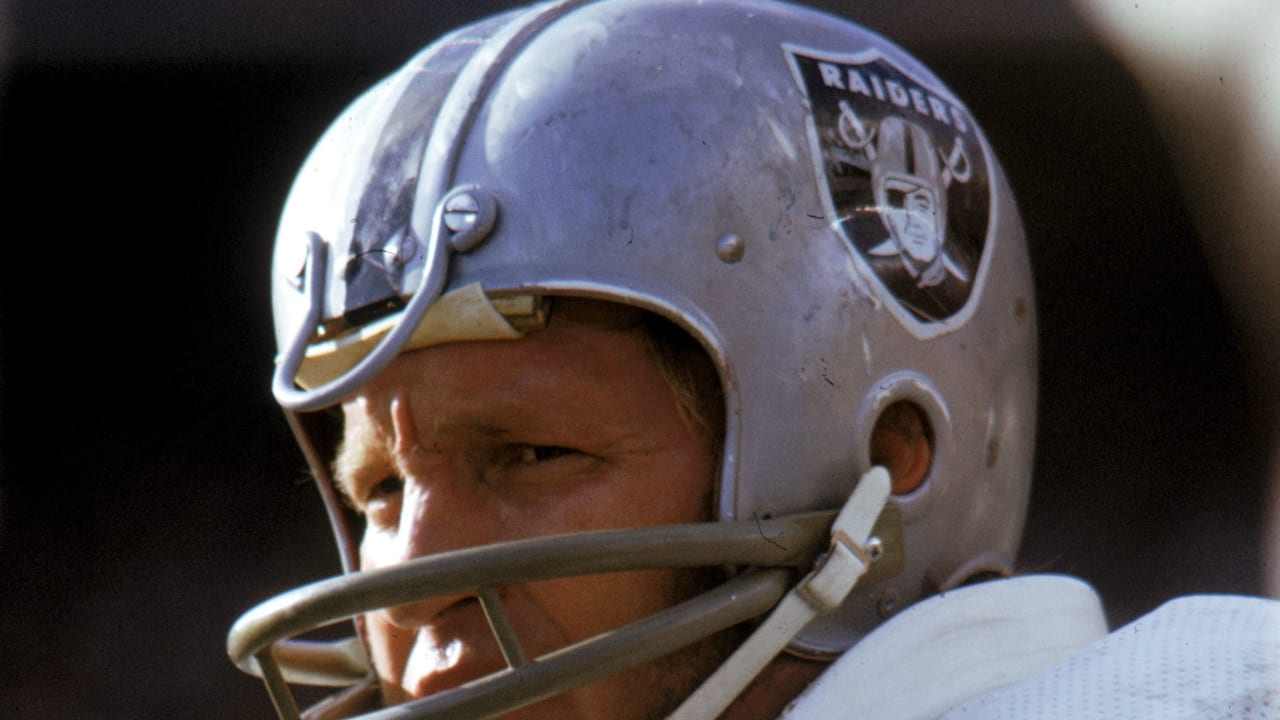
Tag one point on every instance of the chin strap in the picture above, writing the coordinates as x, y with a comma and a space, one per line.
821, 591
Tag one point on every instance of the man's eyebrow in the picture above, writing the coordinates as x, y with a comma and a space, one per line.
483, 424
491, 431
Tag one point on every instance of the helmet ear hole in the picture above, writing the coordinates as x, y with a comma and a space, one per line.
902, 442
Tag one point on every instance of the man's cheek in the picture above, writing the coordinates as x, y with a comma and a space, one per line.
379, 547
581, 607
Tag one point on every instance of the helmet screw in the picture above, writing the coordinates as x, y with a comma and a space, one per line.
874, 548
888, 602
730, 248
469, 214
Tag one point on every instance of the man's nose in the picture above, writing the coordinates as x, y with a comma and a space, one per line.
440, 512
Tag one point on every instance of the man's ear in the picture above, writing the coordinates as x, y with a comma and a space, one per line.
902, 442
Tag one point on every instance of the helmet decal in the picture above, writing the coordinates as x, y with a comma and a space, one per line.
903, 171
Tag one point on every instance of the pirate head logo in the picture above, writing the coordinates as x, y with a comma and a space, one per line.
903, 174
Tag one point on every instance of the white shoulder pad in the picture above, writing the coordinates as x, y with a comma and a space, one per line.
956, 646
1196, 657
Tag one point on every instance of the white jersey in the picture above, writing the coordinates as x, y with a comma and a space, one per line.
1037, 648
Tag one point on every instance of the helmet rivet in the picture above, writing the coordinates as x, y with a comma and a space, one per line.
469, 214
874, 548
730, 248
404, 245
888, 602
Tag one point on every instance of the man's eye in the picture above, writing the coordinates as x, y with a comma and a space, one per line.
529, 454
387, 487
382, 503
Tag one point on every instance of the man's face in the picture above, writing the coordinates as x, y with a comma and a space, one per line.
912, 214
568, 429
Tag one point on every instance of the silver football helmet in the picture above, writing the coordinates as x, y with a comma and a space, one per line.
798, 194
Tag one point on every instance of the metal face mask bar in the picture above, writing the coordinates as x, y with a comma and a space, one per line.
435, 276
775, 549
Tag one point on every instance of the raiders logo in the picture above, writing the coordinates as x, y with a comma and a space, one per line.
903, 171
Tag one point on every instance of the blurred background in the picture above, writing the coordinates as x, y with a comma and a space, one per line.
150, 491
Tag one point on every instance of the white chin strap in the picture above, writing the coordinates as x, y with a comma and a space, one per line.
821, 591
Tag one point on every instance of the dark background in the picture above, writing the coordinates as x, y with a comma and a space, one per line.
149, 489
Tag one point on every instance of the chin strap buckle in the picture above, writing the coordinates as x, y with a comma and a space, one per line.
838, 570
851, 552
